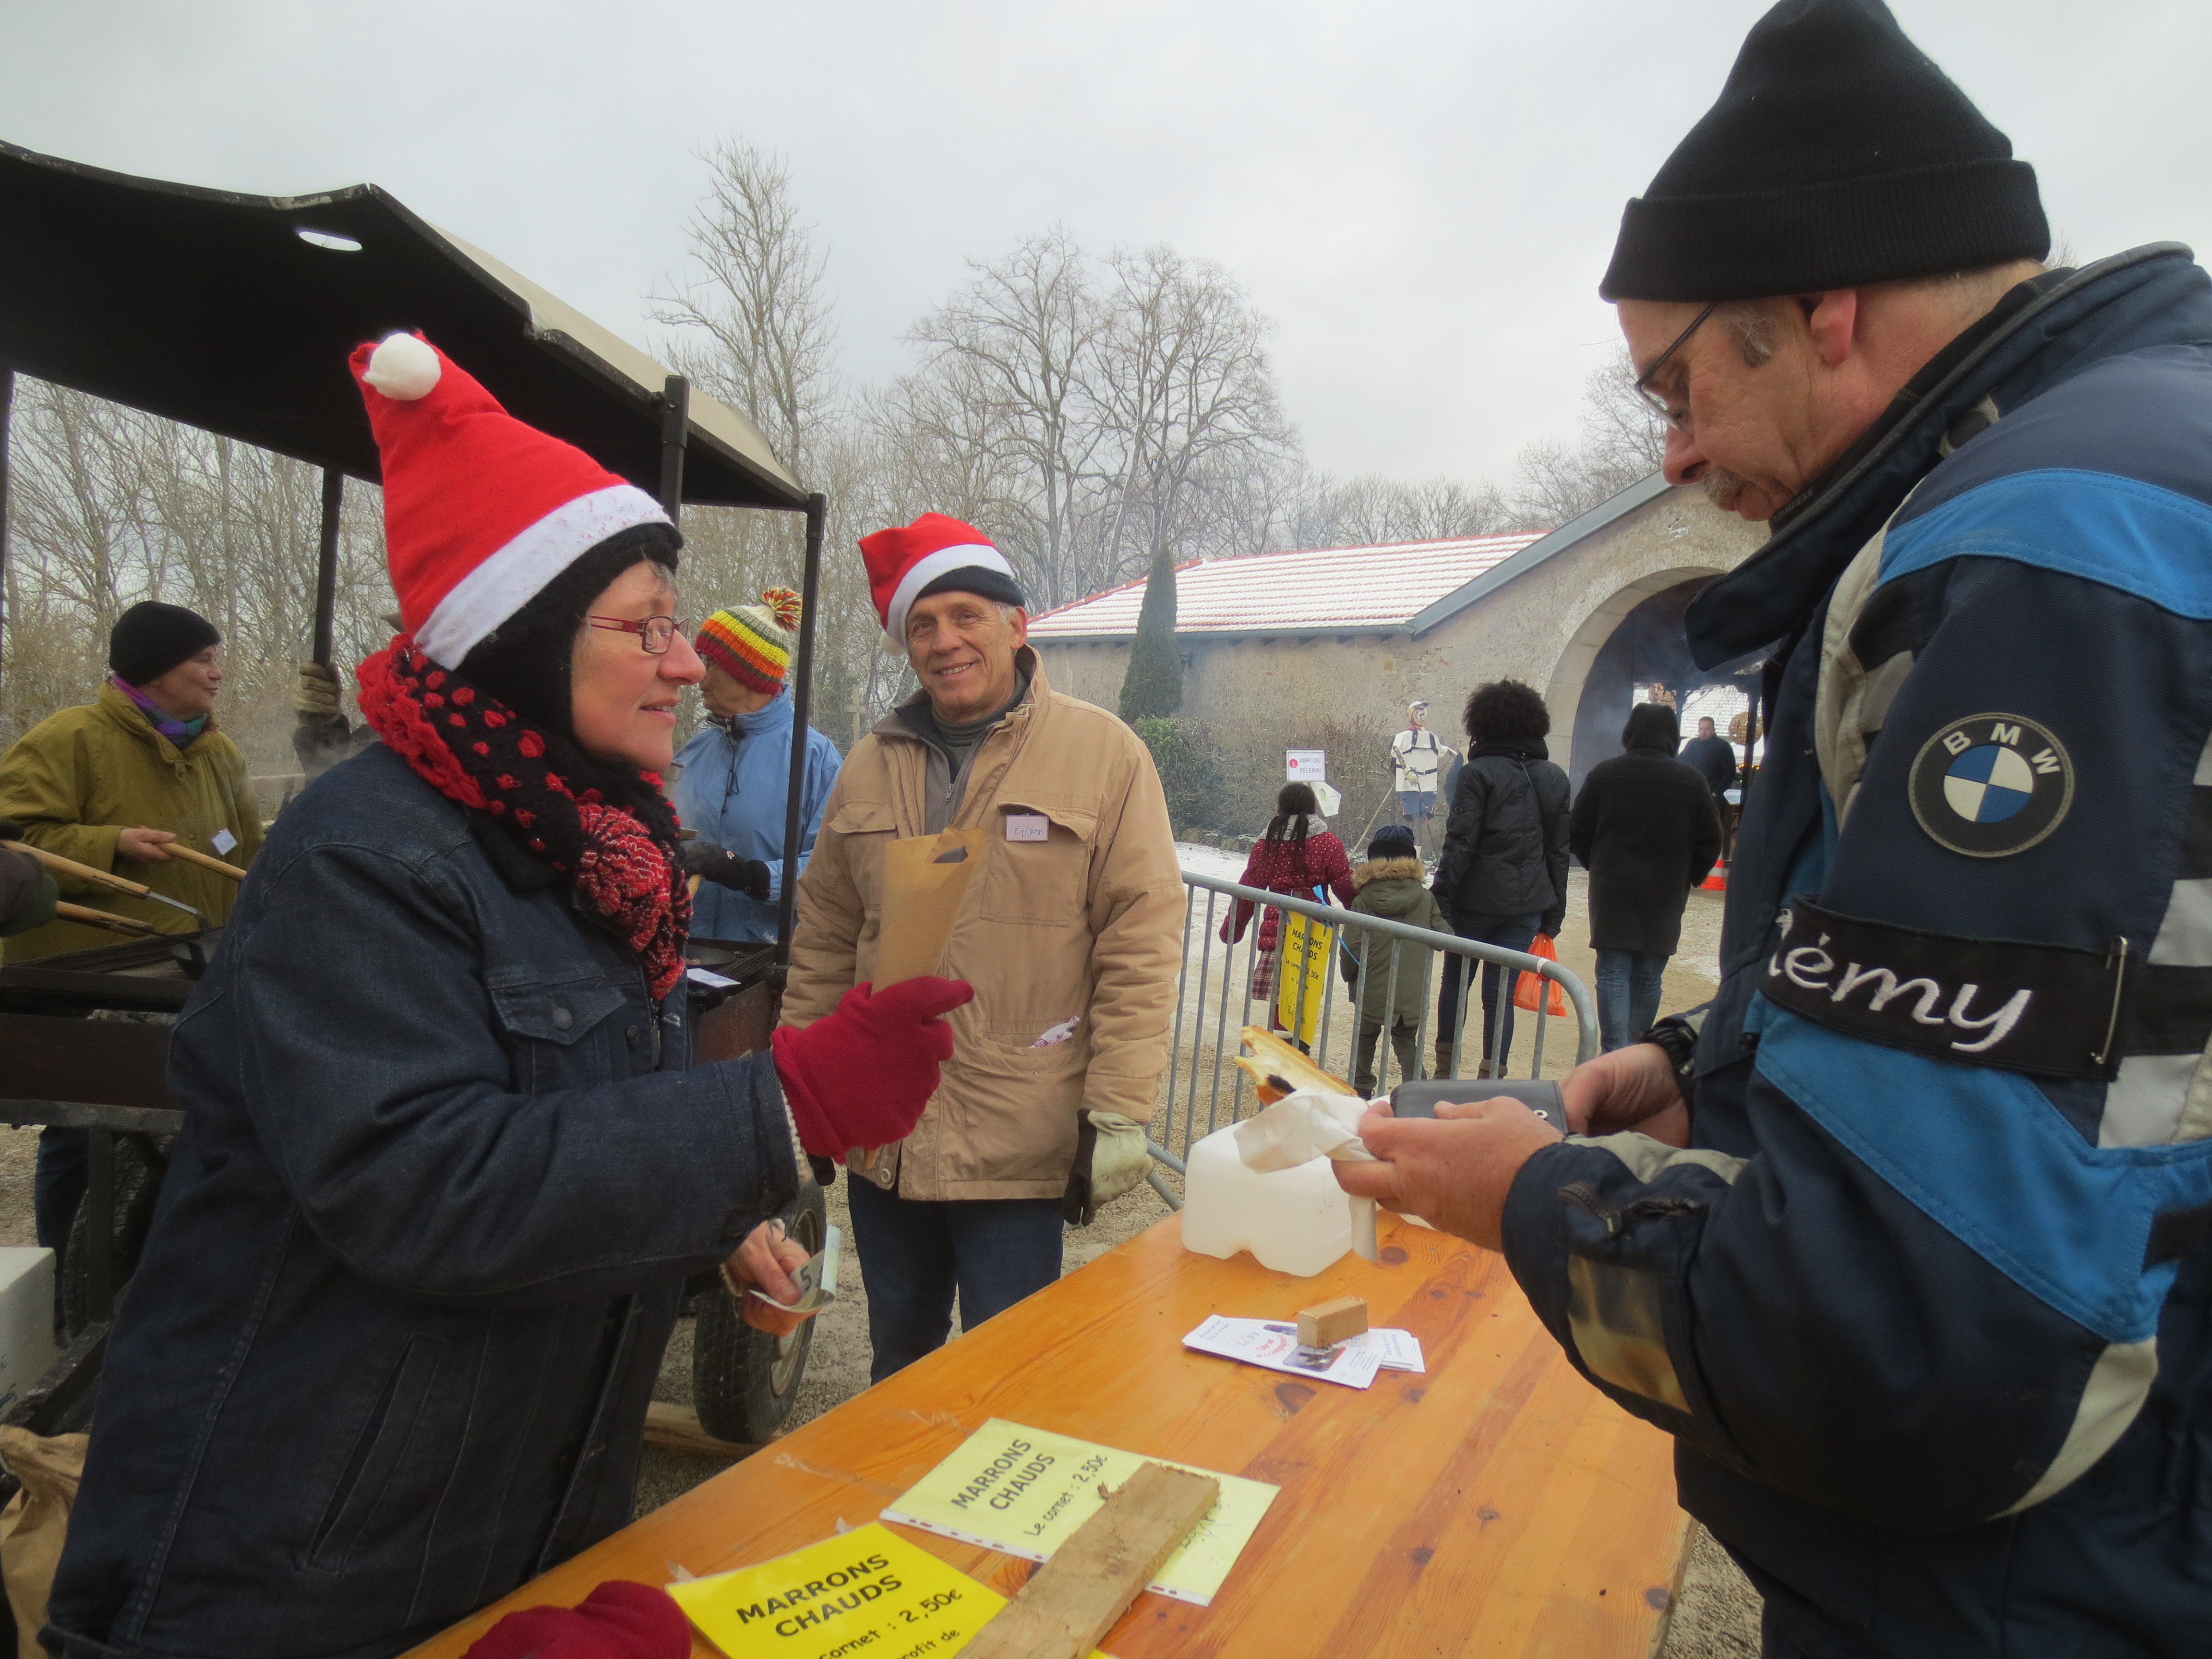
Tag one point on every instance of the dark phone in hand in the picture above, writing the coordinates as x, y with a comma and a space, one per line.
1539, 1094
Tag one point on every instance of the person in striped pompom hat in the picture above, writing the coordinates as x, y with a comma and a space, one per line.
736, 773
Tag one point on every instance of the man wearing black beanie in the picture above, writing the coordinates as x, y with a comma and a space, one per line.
1906, 1236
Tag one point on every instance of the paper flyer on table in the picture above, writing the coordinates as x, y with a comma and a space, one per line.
1275, 1344
870, 1591
1023, 1491
1395, 1350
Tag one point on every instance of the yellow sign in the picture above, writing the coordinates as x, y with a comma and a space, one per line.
1301, 985
1023, 1491
867, 1595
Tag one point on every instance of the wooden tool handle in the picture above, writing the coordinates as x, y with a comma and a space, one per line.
114, 924
178, 850
61, 866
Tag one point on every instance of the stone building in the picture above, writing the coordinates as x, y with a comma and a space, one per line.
1324, 648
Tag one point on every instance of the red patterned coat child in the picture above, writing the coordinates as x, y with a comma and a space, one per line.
1296, 855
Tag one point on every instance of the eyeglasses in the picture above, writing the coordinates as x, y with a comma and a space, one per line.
1677, 418
653, 633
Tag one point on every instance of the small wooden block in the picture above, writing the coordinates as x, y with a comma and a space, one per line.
1073, 1600
676, 1428
1327, 1323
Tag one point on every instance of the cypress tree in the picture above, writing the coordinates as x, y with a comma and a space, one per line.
1153, 687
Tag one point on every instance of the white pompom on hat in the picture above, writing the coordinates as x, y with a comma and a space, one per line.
480, 511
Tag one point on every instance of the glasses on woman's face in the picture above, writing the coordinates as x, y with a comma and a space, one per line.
1656, 401
653, 633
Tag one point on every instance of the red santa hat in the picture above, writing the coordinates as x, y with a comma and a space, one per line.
480, 511
932, 554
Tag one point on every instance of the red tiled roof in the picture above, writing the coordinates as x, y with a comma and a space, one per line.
1315, 590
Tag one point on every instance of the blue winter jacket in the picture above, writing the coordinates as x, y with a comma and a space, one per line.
733, 791
424, 1236
1925, 1305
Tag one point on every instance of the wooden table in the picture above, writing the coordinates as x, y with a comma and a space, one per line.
1498, 1505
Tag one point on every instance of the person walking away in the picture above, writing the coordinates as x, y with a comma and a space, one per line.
1914, 1275
1502, 877
1644, 828
1297, 855
1713, 758
1071, 933
1388, 976
733, 786
445, 1165
1416, 760
114, 784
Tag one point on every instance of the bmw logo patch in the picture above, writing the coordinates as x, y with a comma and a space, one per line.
1991, 785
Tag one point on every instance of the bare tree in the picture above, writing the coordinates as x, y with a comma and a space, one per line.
1186, 392
1007, 379
108, 506
1372, 510
1622, 441
756, 312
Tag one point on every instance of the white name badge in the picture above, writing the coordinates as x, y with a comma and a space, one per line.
223, 840
1028, 826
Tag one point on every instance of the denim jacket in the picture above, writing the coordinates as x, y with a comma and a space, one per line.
423, 1238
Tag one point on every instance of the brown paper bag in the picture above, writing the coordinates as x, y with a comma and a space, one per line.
36, 1522
924, 878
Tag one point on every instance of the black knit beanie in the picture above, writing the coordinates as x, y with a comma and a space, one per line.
151, 638
525, 661
1837, 153
976, 579
1393, 840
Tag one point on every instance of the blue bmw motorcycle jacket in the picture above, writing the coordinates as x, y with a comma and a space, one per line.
1924, 1304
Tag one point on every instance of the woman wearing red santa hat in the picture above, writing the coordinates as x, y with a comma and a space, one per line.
445, 1167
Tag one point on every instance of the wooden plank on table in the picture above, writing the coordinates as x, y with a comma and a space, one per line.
1497, 1508
676, 1428
1068, 1606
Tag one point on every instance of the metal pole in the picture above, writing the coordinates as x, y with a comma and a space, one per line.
326, 564
675, 431
802, 699
7, 403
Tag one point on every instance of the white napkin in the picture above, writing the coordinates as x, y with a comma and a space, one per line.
1305, 1125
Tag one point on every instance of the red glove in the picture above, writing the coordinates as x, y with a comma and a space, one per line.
861, 1077
618, 1620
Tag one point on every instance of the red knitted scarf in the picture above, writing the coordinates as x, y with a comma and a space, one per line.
471, 748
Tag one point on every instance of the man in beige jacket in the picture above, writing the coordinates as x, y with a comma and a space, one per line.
1070, 933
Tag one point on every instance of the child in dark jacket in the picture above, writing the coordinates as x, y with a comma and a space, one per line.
1393, 989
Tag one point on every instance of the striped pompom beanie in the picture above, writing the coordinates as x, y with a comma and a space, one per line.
753, 642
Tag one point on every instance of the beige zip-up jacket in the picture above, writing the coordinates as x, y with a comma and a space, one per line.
1086, 925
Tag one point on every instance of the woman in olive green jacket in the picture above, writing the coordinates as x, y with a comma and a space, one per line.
113, 783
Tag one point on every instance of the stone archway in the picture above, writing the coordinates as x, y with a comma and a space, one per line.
1589, 691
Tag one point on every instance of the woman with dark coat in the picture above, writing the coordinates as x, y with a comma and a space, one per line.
1297, 855
445, 1166
1645, 828
1503, 875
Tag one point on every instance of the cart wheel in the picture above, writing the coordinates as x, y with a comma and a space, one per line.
742, 1380
140, 1164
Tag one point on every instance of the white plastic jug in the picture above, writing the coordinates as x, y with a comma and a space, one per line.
1295, 1221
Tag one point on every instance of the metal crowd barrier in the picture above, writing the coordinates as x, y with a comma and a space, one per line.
1213, 1003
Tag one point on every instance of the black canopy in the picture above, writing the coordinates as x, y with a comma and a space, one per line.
220, 311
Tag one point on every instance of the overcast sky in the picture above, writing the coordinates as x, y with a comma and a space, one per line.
1421, 193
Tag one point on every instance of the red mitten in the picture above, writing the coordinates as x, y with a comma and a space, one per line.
861, 1077
618, 1620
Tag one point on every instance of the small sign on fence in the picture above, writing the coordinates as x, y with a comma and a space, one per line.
1305, 765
